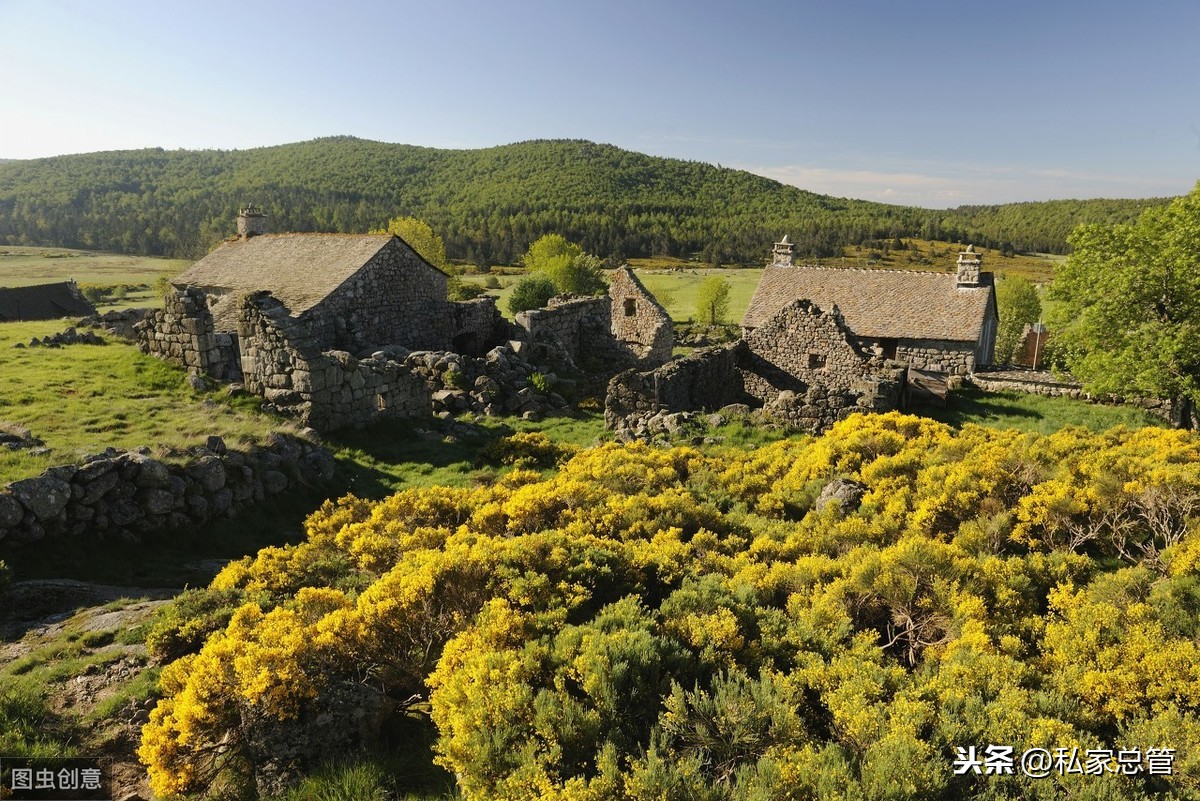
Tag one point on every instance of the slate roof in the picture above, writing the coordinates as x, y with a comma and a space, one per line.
300, 270
43, 302
893, 304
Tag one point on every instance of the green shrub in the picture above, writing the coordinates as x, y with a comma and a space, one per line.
532, 292
491, 282
540, 382
454, 379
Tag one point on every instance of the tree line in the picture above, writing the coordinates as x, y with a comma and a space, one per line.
487, 204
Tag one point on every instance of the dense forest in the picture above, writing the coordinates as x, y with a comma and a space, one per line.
487, 204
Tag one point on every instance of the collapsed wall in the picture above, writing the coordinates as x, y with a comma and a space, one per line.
801, 367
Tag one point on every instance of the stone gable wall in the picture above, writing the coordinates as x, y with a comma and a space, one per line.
130, 494
639, 322
327, 390
395, 299
182, 332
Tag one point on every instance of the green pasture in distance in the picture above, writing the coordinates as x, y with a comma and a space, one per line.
27, 266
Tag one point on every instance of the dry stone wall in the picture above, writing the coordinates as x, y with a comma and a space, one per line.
937, 355
129, 494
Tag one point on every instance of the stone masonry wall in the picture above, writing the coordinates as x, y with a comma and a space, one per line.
182, 332
569, 322
803, 365
120, 494
937, 355
639, 322
707, 379
395, 299
477, 326
327, 390
800, 366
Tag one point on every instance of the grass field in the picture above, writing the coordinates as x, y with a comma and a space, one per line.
84, 398
26, 266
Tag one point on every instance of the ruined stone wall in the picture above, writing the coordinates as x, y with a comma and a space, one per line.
938, 355
478, 326
570, 322
706, 379
282, 361
130, 494
799, 346
182, 332
804, 366
800, 366
639, 322
395, 299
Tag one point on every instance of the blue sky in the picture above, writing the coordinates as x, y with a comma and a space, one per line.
919, 103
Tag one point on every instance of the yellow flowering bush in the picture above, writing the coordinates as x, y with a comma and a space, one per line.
659, 623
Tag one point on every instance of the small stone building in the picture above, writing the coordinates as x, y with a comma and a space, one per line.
346, 292
938, 322
43, 302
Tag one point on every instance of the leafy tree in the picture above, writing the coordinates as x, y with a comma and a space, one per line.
420, 237
531, 292
564, 263
458, 289
1131, 294
712, 301
1018, 304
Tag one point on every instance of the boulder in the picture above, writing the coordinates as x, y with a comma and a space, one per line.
11, 511
845, 493
45, 496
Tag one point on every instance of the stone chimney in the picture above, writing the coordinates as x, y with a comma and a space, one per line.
251, 222
784, 253
969, 264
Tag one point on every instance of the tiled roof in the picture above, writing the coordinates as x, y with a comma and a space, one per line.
890, 304
43, 302
300, 270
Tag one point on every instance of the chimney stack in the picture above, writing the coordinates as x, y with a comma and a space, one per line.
251, 222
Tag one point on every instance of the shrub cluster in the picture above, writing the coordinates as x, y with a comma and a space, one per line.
662, 624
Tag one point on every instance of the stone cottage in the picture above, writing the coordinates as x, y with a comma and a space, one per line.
347, 292
939, 322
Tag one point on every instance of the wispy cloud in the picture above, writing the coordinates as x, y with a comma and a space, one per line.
970, 184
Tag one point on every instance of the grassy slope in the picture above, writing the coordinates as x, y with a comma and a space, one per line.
84, 398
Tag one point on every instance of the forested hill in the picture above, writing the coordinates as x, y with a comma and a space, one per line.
487, 204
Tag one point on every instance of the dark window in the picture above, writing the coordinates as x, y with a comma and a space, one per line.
816, 361
630, 307
889, 348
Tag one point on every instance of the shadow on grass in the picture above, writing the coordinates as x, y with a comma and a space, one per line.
973, 405
372, 462
1034, 413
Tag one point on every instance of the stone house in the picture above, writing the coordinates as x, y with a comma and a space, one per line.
346, 292
43, 302
938, 322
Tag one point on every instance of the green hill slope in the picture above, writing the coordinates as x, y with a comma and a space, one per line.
488, 204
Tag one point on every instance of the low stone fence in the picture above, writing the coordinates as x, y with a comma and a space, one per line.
127, 494
1043, 383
